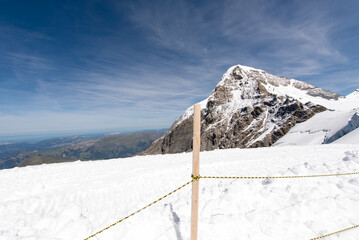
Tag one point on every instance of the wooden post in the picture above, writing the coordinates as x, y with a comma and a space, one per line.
195, 169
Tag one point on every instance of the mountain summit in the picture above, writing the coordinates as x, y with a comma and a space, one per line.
248, 108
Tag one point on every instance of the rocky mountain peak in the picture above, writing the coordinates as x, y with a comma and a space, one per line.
237, 85
278, 85
248, 108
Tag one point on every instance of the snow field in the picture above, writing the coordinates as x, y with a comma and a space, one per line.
75, 200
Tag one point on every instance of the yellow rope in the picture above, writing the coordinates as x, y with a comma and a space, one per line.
139, 210
330, 234
307, 176
196, 178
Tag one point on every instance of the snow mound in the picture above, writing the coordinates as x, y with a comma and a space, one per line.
75, 200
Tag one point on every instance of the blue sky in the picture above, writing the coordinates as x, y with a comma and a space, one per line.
108, 65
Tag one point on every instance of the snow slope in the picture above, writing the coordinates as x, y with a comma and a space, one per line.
342, 117
352, 137
74, 200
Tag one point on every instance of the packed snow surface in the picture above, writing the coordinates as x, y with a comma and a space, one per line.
75, 200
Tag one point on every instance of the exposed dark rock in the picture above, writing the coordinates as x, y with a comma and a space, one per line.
242, 111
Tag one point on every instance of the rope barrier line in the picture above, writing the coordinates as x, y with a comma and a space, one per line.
330, 234
140, 210
307, 176
196, 178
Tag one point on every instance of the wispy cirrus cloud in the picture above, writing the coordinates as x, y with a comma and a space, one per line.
142, 63
22, 62
294, 40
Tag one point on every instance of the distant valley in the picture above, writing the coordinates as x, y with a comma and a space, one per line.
66, 149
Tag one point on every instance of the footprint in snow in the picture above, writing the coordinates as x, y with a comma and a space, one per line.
350, 155
354, 181
340, 185
267, 181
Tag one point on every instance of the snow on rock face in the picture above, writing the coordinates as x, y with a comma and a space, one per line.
247, 108
282, 86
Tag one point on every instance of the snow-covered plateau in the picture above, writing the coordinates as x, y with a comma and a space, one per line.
75, 200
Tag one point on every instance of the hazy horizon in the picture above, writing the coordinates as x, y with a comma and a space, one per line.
36, 136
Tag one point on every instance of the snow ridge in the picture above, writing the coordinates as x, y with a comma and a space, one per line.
354, 95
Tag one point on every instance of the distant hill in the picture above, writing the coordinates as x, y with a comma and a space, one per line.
74, 148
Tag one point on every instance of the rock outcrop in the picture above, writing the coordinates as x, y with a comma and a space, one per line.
248, 108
